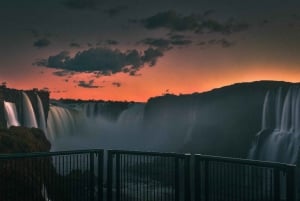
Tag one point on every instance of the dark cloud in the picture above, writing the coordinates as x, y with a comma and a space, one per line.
166, 44
202, 43
62, 73
175, 22
112, 12
171, 20
81, 4
103, 61
157, 42
75, 45
89, 44
89, 84
221, 42
225, 43
176, 36
117, 84
112, 42
59, 91
181, 42
35, 33
151, 55
44, 42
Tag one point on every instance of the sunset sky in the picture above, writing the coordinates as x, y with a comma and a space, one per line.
137, 49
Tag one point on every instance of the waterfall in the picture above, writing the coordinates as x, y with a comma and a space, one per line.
28, 112
61, 122
74, 128
281, 141
132, 117
11, 114
266, 108
42, 120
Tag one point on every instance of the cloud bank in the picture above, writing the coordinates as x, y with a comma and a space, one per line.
103, 61
173, 21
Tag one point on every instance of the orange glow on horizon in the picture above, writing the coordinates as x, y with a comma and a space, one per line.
153, 82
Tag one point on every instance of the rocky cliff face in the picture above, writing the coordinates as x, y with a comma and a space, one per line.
15, 96
219, 122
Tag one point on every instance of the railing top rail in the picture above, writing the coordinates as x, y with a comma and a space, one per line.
244, 161
45, 154
149, 153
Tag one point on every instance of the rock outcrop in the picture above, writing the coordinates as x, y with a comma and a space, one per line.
22, 178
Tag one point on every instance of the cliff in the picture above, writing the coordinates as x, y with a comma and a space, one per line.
222, 122
15, 96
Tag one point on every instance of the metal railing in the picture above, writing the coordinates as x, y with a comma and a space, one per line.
147, 176
228, 179
53, 176
142, 176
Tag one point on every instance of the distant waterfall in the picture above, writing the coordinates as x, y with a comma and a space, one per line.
28, 112
83, 126
279, 139
61, 122
42, 120
11, 114
132, 117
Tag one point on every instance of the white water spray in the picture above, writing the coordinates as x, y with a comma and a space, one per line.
11, 114
42, 120
28, 112
280, 142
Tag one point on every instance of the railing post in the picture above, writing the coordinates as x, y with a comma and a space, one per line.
100, 175
109, 174
118, 184
187, 185
197, 179
206, 179
276, 175
291, 183
177, 175
92, 183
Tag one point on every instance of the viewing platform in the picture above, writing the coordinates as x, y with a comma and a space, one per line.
117, 175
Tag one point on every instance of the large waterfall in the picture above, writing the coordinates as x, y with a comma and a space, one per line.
279, 139
11, 114
42, 119
82, 127
29, 115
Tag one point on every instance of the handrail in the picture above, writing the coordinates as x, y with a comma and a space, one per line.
245, 161
149, 153
43, 154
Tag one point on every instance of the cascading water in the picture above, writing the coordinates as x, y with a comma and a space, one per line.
42, 120
279, 139
61, 122
73, 128
11, 114
28, 112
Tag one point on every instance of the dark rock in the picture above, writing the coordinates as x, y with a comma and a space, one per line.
22, 178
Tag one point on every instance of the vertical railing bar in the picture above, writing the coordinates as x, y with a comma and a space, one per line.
117, 176
100, 175
187, 175
138, 176
127, 177
109, 175
122, 189
92, 183
160, 178
276, 184
291, 183
147, 177
176, 176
